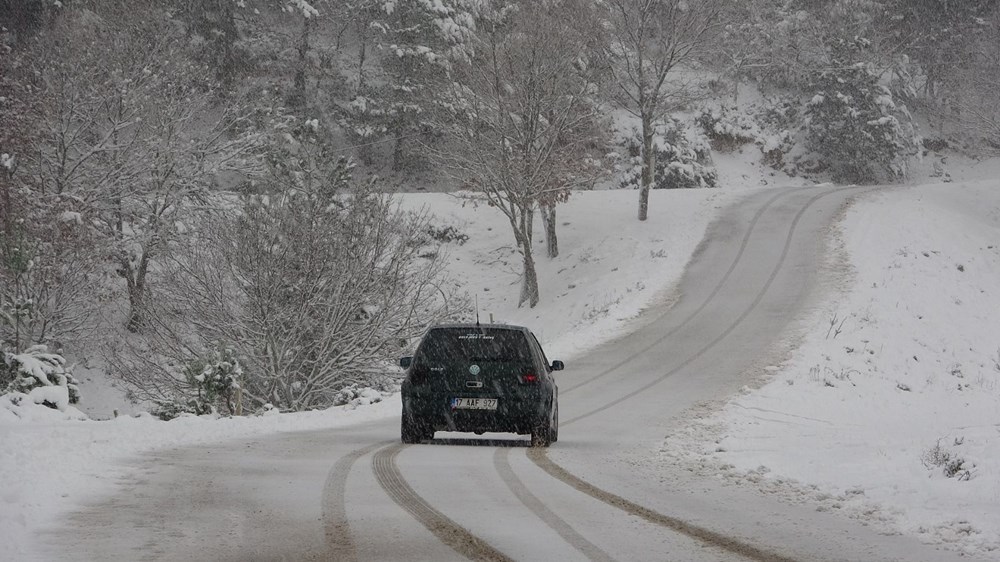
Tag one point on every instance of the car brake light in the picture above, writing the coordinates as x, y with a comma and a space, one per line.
419, 375
529, 378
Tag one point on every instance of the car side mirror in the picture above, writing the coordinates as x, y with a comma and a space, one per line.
405, 362
558, 366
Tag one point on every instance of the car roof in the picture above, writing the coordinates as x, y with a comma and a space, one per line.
479, 325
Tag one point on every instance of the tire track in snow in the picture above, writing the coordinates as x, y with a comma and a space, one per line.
732, 327
409, 500
556, 523
447, 531
336, 528
540, 457
697, 311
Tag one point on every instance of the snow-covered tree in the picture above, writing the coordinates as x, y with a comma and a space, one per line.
311, 279
780, 43
47, 263
521, 119
20, 19
745, 47
214, 28
938, 36
217, 377
651, 41
48, 276
853, 123
131, 137
41, 375
415, 42
727, 126
680, 162
961, 58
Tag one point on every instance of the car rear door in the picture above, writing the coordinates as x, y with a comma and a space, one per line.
476, 362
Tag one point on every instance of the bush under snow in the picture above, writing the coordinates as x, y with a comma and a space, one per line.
682, 159
37, 378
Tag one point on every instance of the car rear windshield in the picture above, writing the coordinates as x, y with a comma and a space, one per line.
444, 345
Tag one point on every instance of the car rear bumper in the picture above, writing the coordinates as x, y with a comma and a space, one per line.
511, 416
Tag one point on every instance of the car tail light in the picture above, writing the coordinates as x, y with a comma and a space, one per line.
419, 375
529, 378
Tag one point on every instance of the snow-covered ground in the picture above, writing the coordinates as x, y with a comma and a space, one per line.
49, 466
848, 420
887, 407
610, 268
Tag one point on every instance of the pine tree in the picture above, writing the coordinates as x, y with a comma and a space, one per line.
417, 41
680, 163
37, 368
852, 121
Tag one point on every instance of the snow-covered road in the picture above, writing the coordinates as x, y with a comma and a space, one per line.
599, 493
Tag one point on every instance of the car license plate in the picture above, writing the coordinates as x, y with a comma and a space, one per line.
473, 403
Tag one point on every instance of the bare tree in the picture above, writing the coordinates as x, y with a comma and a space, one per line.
651, 41
314, 283
215, 23
132, 136
976, 92
47, 266
523, 117
48, 276
14, 143
745, 46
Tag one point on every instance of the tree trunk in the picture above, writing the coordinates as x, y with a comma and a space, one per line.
136, 281
298, 98
228, 37
551, 240
523, 235
239, 400
648, 162
397, 150
134, 307
6, 211
399, 125
529, 287
362, 54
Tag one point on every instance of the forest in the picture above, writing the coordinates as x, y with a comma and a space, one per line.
201, 192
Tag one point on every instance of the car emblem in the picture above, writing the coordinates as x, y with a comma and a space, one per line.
474, 370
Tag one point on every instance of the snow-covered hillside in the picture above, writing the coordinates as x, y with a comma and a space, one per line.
885, 402
610, 266
853, 420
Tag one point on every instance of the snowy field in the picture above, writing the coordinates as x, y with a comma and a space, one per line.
856, 419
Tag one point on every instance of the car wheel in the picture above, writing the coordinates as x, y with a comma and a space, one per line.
412, 432
554, 430
541, 434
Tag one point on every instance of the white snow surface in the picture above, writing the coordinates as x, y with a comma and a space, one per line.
610, 266
888, 406
610, 269
50, 465
911, 318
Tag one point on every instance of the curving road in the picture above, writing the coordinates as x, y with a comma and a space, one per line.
600, 493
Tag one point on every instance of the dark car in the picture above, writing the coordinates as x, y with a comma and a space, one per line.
479, 378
